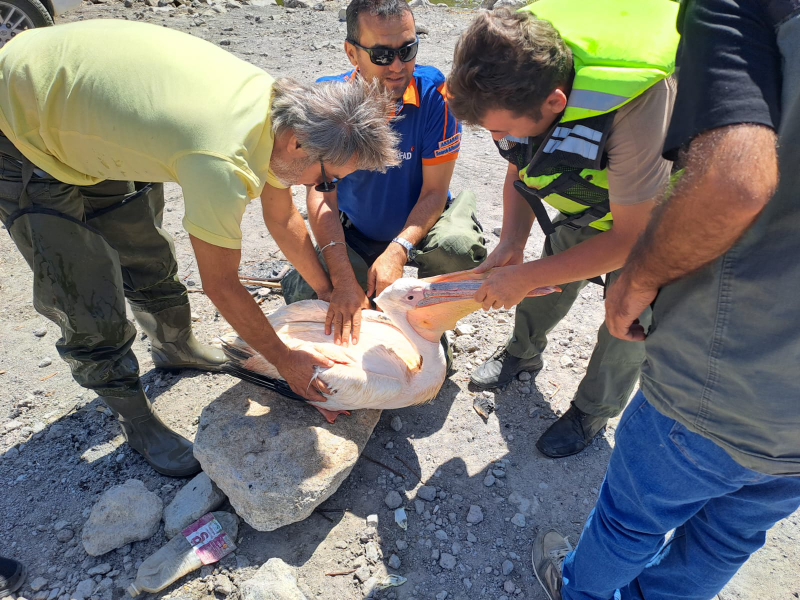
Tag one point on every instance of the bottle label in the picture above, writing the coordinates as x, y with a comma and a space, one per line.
208, 539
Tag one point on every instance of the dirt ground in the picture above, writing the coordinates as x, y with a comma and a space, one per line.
62, 450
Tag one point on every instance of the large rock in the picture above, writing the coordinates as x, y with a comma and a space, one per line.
277, 459
196, 498
125, 513
275, 580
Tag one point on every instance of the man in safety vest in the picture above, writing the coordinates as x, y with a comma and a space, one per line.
577, 97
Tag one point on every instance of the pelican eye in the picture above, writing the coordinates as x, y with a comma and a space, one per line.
411, 297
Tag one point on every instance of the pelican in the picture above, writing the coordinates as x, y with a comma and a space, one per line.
398, 361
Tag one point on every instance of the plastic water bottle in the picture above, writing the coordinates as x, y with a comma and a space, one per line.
175, 559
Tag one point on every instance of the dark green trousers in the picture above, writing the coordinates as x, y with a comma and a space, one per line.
454, 243
614, 366
88, 255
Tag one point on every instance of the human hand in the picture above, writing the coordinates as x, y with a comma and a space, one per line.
503, 255
387, 269
504, 287
625, 301
299, 367
344, 313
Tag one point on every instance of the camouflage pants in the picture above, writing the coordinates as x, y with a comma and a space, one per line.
90, 248
454, 243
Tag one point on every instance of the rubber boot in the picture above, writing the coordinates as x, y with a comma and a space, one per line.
172, 343
167, 452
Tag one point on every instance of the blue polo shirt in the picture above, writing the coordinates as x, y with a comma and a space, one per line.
378, 204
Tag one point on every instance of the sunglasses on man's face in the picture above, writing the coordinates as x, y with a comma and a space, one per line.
326, 186
383, 57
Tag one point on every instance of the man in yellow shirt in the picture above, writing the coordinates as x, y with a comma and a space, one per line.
88, 108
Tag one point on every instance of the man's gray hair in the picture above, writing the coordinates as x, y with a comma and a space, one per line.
337, 120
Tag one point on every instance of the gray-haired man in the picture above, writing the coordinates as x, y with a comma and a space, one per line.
76, 131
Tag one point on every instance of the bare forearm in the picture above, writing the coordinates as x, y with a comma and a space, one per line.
599, 255
424, 215
323, 216
518, 217
239, 309
731, 173
293, 240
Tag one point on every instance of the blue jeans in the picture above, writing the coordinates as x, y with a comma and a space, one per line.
661, 477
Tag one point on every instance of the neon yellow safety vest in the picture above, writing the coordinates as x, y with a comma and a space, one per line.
620, 49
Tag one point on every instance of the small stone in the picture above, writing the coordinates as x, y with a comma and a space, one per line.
524, 376
318, 7
441, 595
100, 569
488, 481
509, 587
59, 525
40, 332
440, 534
394, 561
435, 554
65, 535
341, 545
372, 520
508, 566
518, 520
427, 492
475, 514
223, 585
447, 561
45, 362
471, 538
362, 573
84, 589
38, 583
396, 423
275, 579
401, 545
389, 445
497, 231
525, 389
372, 552
465, 329
12, 425
455, 548
401, 518
123, 514
566, 362
419, 506
393, 500
467, 583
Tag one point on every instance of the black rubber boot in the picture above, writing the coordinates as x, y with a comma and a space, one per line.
571, 434
167, 452
12, 576
172, 343
501, 368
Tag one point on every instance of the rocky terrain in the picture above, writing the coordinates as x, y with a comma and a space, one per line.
474, 491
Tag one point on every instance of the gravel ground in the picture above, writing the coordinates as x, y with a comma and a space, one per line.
60, 449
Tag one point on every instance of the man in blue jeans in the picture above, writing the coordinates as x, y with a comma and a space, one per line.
710, 446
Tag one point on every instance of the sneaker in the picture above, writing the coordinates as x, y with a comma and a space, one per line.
12, 576
571, 434
549, 551
501, 368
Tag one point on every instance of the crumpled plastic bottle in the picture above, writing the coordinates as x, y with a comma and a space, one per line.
175, 559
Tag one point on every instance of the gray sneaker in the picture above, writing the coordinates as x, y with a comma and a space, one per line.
549, 551
501, 368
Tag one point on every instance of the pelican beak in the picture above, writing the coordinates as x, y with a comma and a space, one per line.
449, 298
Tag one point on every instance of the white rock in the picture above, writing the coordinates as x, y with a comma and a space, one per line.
83, 590
125, 513
275, 580
100, 569
566, 361
38, 583
394, 561
372, 520
465, 329
196, 498
401, 518
275, 459
12, 425
508, 566
373, 552
45, 362
447, 561
518, 520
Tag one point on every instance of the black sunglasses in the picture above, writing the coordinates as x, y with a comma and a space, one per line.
383, 57
325, 186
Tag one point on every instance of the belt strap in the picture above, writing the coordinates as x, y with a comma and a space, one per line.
27, 174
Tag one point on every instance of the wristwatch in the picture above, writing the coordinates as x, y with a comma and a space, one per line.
410, 250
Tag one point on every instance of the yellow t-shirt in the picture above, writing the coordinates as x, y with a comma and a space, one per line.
121, 100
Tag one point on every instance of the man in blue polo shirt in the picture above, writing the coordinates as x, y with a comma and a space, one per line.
373, 224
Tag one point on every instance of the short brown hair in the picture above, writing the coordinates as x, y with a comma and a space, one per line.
506, 60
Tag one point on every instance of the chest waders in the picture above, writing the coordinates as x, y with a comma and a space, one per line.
567, 169
78, 284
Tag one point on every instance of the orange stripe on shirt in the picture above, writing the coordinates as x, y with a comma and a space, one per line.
440, 159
